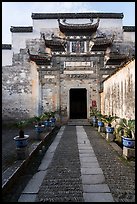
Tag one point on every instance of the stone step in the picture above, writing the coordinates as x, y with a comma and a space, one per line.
79, 122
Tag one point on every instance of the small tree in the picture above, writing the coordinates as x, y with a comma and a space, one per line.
109, 119
93, 111
126, 128
38, 120
21, 125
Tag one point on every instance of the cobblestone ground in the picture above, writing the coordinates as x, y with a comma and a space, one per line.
65, 172
119, 173
62, 182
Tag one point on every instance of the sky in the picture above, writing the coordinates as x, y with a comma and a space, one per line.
19, 13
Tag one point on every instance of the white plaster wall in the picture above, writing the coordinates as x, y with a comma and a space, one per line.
129, 36
112, 26
7, 57
110, 23
19, 41
127, 105
47, 26
38, 24
41, 25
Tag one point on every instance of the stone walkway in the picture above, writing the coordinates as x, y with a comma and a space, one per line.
81, 166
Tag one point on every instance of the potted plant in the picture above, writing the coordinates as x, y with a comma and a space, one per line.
47, 121
93, 114
100, 119
127, 130
39, 127
21, 139
100, 122
52, 119
108, 120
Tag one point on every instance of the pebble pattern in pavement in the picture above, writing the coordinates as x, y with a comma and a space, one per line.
62, 182
119, 173
64, 172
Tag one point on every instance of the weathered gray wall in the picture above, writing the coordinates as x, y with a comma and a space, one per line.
118, 96
19, 89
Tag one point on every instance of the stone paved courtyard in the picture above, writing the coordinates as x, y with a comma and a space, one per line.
119, 173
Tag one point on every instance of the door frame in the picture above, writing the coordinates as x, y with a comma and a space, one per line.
68, 101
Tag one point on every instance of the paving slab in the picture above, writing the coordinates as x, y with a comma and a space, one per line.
93, 179
98, 197
91, 170
27, 198
95, 188
88, 159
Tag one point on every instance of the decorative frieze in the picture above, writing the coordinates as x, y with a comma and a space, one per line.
79, 72
78, 64
79, 75
49, 77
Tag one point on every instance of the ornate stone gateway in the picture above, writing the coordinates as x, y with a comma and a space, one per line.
60, 64
78, 103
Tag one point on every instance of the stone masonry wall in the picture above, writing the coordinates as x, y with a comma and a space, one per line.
19, 89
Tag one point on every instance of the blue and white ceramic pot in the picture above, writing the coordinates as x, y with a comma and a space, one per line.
128, 142
109, 129
100, 124
21, 142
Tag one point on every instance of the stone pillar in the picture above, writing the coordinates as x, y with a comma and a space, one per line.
110, 137
101, 129
22, 153
128, 152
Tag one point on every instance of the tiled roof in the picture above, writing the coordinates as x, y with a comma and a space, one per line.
21, 29
73, 27
116, 58
102, 41
6, 46
56, 43
75, 15
39, 59
129, 28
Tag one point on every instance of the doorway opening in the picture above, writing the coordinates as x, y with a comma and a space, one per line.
78, 103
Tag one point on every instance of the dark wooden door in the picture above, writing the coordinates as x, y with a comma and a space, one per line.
78, 103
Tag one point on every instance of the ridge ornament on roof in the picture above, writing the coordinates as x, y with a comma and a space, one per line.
87, 27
